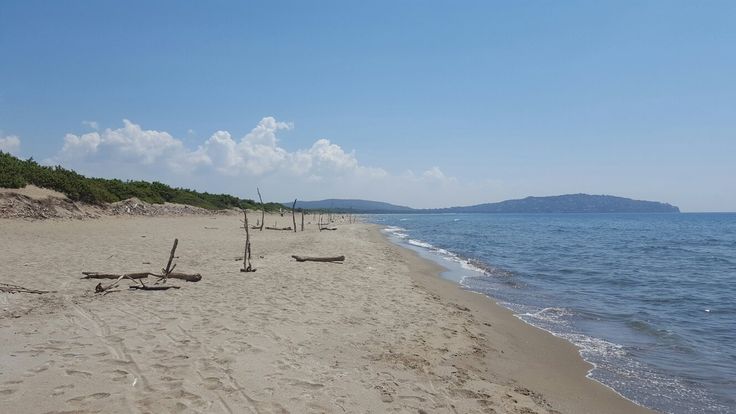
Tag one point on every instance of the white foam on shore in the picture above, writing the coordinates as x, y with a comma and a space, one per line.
392, 229
420, 243
401, 233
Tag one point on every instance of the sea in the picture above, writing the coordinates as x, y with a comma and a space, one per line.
648, 299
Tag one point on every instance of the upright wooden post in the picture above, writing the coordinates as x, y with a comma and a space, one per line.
293, 214
169, 269
263, 209
302, 219
247, 267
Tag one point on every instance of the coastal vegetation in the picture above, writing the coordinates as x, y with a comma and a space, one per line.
17, 173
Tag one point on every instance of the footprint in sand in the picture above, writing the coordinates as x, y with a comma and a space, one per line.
172, 383
119, 375
7, 391
87, 398
61, 389
304, 384
78, 373
213, 383
40, 368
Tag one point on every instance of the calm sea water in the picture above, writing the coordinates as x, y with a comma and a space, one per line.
650, 299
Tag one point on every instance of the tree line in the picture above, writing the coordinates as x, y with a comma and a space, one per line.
17, 173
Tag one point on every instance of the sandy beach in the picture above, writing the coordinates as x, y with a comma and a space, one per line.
381, 332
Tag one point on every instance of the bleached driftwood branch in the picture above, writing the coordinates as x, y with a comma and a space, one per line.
247, 267
278, 228
293, 214
189, 277
166, 273
318, 259
8, 288
263, 209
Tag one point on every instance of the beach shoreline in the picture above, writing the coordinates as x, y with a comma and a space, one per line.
549, 365
382, 332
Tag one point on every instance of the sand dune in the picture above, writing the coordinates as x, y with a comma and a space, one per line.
379, 333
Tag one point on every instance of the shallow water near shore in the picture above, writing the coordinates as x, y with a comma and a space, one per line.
650, 299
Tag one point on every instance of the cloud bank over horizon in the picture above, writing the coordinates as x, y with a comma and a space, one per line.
225, 164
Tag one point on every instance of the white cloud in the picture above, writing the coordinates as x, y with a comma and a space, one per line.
436, 174
223, 163
256, 154
130, 143
91, 124
433, 175
10, 144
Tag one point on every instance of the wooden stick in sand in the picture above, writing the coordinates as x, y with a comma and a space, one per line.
318, 259
170, 268
263, 209
293, 212
247, 267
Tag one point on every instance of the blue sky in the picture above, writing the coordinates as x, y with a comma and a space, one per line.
420, 103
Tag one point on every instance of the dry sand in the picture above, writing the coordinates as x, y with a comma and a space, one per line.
379, 333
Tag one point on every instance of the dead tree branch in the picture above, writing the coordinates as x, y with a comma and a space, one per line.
293, 216
318, 259
144, 287
166, 273
12, 289
278, 228
188, 277
247, 267
170, 268
263, 209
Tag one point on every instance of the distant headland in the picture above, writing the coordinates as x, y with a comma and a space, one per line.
569, 203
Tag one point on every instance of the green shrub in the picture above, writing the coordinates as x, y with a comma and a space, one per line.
17, 173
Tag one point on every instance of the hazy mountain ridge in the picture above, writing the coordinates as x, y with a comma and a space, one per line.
350, 205
568, 203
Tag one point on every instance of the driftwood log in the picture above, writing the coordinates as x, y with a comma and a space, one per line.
318, 259
8, 288
109, 288
327, 228
166, 273
144, 287
278, 228
189, 277
97, 275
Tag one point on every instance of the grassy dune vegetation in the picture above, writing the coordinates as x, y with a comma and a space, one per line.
17, 173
